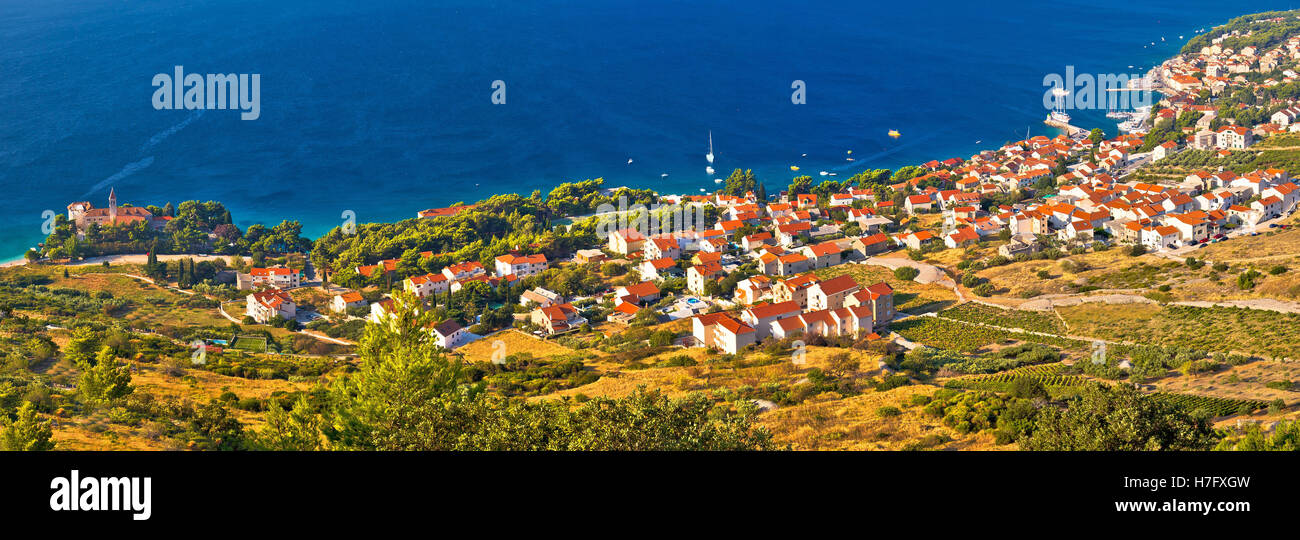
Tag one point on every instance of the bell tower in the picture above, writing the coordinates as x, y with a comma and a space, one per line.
112, 206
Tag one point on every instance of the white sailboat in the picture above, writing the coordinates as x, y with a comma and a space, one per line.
709, 156
709, 170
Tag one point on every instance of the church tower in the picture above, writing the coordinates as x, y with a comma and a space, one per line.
112, 206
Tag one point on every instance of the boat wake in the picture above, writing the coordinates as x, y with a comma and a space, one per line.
162, 135
128, 170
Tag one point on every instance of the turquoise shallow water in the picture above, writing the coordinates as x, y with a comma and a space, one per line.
386, 109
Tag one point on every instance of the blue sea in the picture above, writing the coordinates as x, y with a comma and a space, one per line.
385, 108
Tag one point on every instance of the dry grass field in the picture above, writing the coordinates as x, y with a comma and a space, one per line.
1110, 269
853, 424
1271, 245
511, 342
704, 376
95, 432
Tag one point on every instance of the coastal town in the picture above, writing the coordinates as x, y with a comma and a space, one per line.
1027, 271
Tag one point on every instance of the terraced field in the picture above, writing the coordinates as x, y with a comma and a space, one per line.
1033, 321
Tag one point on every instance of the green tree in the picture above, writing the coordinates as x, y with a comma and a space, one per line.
1118, 418
104, 381
1285, 437
408, 396
82, 347
27, 432
213, 428
298, 429
739, 182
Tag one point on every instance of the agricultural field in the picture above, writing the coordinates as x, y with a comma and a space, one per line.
1001, 382
1033, 321
909, 296
1216, 405
1248, 381
1218, 329
962, 337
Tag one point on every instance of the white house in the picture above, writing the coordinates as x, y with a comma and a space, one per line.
422, 286
277, 277
520, 265
448, 334
266, 305
341, 303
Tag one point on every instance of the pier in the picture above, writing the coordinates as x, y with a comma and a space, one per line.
1070, 130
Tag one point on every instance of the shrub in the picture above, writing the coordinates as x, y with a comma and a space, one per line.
1137, 250
1280, 385
985, 289
1277, 270
1246, 280
906, 273
888, 411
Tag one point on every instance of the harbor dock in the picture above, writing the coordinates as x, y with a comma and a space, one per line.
1070, 130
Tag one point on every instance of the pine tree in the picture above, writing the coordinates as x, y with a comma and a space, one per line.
105, 381
762, 194
27, 432
298, 429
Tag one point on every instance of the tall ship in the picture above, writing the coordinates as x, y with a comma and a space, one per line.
1058, 117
